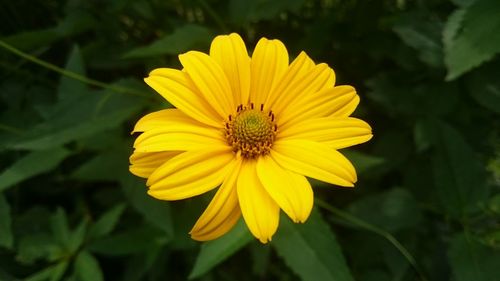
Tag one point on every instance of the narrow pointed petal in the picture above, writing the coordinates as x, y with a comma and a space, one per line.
223, 211
291, 191
337, 133
259, 210
269, 63
339, 101
316, 79
314, 160
162, 118
230, 53
142, 164
190, 173
179, 136
211, 81
178, 89
297, 69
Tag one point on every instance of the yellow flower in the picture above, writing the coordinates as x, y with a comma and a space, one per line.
256, 127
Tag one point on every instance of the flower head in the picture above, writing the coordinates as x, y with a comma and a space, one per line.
253, 127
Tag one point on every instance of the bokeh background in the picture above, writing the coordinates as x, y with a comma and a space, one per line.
427, 204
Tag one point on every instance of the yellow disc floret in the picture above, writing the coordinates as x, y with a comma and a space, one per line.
251, 131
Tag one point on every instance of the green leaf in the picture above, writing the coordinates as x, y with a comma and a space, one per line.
214, 252
87, 268
74, 23
37, 246
422, 35
107, 222
181, 40
60, 228
311, 250
392, 210
363, 162
156, 212
471, 260
108, 165
70, 88
70, 132
52, 273
484, 87
478, 40
6, 238
30, 165
459, 177
77, 236
137, 240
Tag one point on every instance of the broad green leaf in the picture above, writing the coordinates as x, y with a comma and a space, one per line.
52, 273
423, 36
156, 212
459, 177
37, 246
181, 40
363, 162
30, 165
392, 210
214, 252
484, 86
77, 236
137, 240
74, 23
311, 250
6, 237
478, 40
70, 132
108, 165
70, 88
107, 222
471, 260
60, 228
87, 267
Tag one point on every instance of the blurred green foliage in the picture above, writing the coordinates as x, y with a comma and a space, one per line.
426, 207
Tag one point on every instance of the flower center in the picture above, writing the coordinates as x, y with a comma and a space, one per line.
251, 131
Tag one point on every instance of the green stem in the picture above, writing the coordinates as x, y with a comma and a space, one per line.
214, 15
68, 73
370, 227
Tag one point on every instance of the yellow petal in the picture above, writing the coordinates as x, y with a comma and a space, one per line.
162, 118
211, 81
230, 53
291, 191
297, 69
316, 79
178, 89
314, 160
335, 132
339, 101
259, 210
190, 173
143, 163
223, 211
179, 136
269, 63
